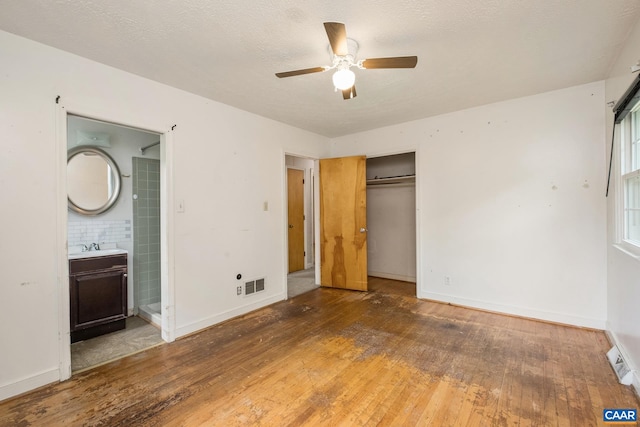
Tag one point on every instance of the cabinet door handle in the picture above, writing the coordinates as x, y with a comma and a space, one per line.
125, 275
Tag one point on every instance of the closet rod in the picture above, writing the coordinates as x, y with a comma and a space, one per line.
403, 179
142, 150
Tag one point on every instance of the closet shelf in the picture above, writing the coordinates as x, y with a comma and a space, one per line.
392, 180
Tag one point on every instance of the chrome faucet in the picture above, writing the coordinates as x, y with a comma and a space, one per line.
94, 247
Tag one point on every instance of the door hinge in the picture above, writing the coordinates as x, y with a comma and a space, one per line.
303, 180
304, 253
304, 217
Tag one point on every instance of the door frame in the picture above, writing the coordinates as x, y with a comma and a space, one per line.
167, 285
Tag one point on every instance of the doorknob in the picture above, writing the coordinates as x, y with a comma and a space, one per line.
290, 226
362, 230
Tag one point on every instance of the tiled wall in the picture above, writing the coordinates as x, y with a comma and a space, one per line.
87, 231
146, 227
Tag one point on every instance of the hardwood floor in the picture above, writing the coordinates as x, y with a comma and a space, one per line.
334, 357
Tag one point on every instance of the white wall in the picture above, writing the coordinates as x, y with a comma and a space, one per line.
623, 278
510, 203
225, 164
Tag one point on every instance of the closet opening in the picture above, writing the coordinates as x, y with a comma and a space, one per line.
391, 222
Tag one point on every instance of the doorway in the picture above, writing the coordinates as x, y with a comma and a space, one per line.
391, 219
136, 224
300, 187
391, 216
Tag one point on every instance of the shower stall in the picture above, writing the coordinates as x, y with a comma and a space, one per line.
146, 238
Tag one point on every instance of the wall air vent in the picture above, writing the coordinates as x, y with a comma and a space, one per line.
620, 366
254, 286
249, 287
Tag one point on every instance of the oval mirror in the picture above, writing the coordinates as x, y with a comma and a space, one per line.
93, 180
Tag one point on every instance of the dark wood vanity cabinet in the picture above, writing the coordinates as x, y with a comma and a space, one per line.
98, 292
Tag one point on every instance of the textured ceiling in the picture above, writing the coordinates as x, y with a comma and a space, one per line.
469, 52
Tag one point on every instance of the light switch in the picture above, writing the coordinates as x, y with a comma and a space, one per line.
180, 206
265, 206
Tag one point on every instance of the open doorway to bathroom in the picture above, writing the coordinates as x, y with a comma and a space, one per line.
130, 228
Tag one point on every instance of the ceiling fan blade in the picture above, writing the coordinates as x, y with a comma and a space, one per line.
300, 72
349, 93
394, 62
337, 34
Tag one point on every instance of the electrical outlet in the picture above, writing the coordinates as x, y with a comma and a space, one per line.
239, 290
447, 280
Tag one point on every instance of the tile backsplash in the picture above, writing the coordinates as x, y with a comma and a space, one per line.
82, 232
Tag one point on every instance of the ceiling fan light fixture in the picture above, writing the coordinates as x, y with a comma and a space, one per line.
344, 79
343, 53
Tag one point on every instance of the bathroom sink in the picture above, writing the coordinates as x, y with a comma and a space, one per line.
91, 254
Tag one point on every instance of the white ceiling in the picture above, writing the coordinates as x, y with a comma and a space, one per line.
470, 52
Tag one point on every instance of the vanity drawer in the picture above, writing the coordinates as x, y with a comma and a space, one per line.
97, 263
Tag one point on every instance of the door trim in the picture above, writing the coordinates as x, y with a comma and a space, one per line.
62, 109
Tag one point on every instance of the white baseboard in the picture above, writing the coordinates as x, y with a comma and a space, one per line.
27, 384
230, 314
567, 319
392, 276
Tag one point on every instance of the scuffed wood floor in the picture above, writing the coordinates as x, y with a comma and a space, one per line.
334, 357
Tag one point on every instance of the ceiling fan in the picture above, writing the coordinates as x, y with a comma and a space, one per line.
343, 56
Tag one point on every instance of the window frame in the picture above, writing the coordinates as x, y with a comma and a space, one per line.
627, 170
